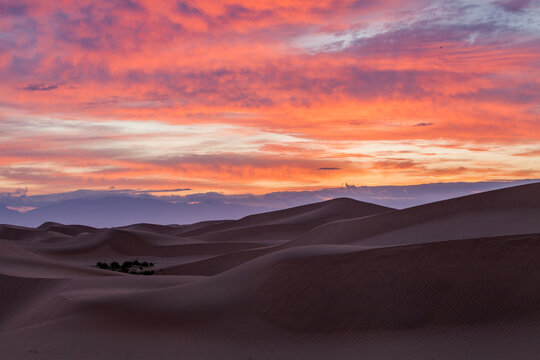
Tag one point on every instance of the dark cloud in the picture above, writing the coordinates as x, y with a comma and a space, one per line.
362, 4
187, 9
104, 27
523, 93
13, 8
421, 38
129, 4
329, 168
109, 100
238, 12
423, 124
24, 65
40, 87
67, 26
236, 85
364, 84
514, 5
235, 12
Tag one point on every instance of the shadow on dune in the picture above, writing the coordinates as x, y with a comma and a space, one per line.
445, 283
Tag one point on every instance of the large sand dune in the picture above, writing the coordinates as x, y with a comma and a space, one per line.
334, 280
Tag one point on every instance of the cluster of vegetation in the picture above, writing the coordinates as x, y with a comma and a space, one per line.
131, 267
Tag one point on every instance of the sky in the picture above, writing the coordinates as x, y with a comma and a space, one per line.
242, 96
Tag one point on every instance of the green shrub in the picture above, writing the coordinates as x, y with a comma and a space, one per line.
130, 267
102, 265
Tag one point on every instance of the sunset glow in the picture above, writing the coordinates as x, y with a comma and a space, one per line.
256, 96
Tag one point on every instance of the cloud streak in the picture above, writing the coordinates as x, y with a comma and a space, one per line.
40, 87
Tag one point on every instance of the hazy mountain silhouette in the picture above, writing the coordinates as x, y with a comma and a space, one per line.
107, 208
123, 210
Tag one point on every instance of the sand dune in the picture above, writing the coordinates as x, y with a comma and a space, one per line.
340, 279
450, 282
500, 212
286, 224
15, 261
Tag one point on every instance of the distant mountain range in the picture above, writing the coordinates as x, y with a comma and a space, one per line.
111, 208
109, 211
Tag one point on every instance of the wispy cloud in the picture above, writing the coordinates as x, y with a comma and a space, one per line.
40, 87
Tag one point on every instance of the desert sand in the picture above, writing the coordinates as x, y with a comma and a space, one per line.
340, 279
